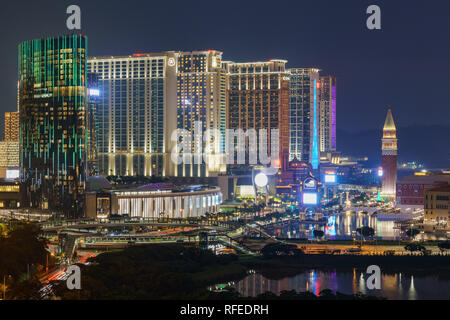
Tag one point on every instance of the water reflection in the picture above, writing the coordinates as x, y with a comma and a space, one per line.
339, 227
394, 286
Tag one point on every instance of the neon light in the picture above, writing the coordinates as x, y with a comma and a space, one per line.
330, 178
94, 92
310, 198
315, 148
333, 117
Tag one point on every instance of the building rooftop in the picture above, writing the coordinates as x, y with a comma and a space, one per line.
426, 179
444, 188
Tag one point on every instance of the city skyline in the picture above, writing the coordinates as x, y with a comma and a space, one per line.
216, 151
356, 63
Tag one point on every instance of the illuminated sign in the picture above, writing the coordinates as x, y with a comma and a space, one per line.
171, 62
309, 198
246, 191
380, 171
12, 174
330, 177
309, 183
261, 180
94, 92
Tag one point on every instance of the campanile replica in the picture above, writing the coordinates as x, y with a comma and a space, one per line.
389, 152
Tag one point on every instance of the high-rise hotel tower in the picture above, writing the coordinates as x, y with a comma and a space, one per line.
52, 100
304, 115
135, 113
327, 98
201, 109
145, 98
389, 157
258, 98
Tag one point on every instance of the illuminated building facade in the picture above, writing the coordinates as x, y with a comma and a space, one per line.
304, 115
201, 99
411, 189
156, 201
12, 126
93, 94
135, 113
389, 157
327, 125
437, 206
52, 101
258, 98
9, 159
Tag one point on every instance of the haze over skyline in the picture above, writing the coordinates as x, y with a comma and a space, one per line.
404, 65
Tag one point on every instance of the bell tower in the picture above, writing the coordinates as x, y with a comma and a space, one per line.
389, 157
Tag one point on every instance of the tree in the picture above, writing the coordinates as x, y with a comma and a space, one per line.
412, 247
277, 249
318, 233
366, 231
412, 233
444, 246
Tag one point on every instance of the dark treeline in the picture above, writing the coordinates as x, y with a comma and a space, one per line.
159, 271
22, 256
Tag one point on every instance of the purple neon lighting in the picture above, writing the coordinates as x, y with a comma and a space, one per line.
333, 117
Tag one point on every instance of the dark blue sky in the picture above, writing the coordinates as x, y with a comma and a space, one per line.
405, 65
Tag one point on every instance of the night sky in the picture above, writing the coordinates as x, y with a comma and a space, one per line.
405, 65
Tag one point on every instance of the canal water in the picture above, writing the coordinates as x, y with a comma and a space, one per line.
339, 227
396, 286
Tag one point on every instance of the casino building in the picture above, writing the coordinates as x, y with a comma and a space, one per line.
151, 201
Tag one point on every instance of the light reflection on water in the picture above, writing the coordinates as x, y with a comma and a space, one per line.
340, 227
393, 286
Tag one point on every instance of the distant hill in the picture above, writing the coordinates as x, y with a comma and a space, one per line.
429, 145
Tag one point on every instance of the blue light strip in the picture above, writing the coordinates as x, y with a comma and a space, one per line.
315, 148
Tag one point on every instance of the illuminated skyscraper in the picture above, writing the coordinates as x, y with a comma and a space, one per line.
327, 125
12, 126
258, 98
201, 99
389, 157
52, 100
136, 113
304, 115
93, 94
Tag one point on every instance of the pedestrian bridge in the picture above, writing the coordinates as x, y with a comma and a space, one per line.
49, 226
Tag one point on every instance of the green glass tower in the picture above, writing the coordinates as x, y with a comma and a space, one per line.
53, 135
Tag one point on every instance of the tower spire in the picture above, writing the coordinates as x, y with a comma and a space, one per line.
389, 124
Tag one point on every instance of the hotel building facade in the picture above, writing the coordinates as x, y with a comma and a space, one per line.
12, 126
133, 112
327, 122
304, 115
201, 102
145, 98
52, 100
258, 98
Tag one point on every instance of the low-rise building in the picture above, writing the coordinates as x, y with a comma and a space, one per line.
437, 206
152, 201
410, 190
